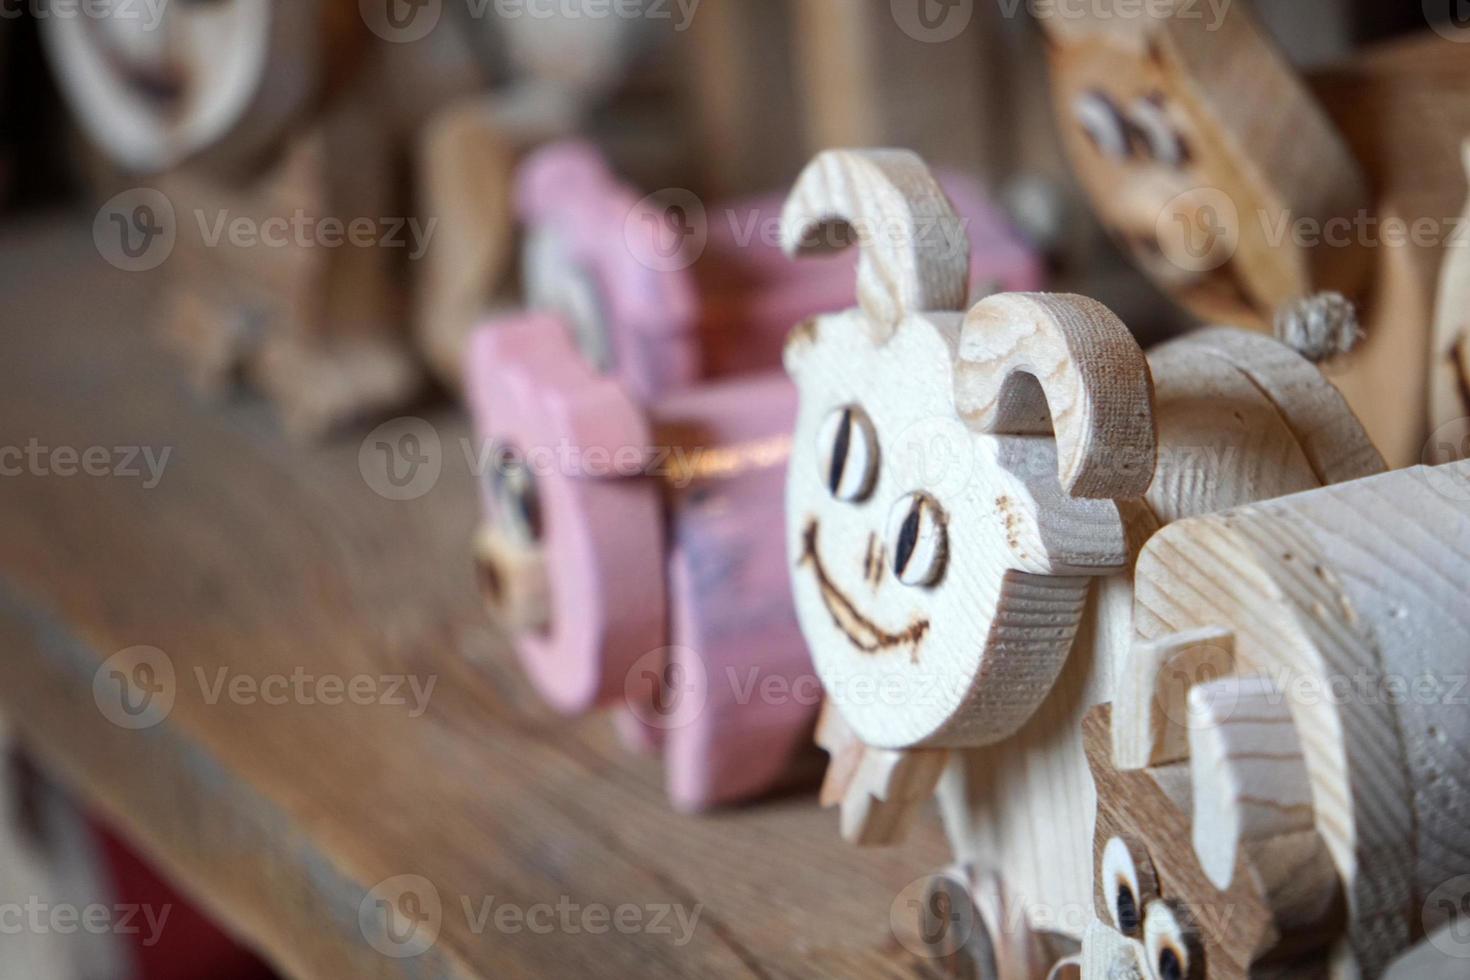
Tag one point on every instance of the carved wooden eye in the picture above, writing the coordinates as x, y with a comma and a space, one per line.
919, 539
1151, 120
1128, 884
1103, 122
513, 490
849, 454
1171, 940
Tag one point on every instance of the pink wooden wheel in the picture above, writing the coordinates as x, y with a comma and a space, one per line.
664, 562
601, 536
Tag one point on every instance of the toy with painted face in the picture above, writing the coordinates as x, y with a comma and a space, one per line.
1161, 116
154, 87
966, 498
1281, 787
1260, 197
643, 342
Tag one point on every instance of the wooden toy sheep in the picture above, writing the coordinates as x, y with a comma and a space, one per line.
1284, 791
1253, 194
665, 563
967, 496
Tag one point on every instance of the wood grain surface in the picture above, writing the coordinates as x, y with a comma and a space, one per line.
262, 559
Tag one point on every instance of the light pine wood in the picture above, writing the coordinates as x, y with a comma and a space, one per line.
261, 557
879, 791
916, 257
1250, 783
1279, 156
1151, 720
999, 656
1067, 367
1360, 586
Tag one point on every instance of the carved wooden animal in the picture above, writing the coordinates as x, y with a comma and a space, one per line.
1298, 807
967, 495
636, 556
1254, 195
277, 128
644, 347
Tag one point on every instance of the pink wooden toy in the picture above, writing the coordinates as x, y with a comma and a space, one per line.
635, 432
664, 290
637, 555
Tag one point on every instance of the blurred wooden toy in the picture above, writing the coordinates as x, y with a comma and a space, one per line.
1259, 197
1300, 807
647, 353
156, 85
277, 129
967, 496
666, 291
556, 76
636, 555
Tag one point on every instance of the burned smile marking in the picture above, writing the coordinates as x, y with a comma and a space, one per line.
860, 631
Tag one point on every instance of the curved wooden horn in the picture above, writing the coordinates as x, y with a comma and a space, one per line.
1062, 365
915, 252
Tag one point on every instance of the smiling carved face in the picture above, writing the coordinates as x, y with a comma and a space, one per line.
954, 476
928, 581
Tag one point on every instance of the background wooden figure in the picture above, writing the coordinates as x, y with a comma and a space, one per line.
278, 130
1254, 194
554, 77
968, 494
1300, 805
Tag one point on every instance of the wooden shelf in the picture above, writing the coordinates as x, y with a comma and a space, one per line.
260, 558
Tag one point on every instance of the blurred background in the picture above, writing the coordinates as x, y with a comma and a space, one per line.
422, 110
